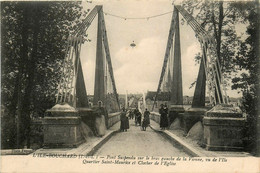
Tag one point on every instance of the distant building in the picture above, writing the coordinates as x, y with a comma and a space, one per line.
162, 96
187, 100
133, 101
165, 97
235, 101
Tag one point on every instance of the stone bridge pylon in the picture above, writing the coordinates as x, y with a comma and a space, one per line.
221, 123
68, 122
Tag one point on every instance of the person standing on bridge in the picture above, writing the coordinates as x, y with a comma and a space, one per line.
146, 120
137, 116
131, 114
123, 118
164, 120
100, 121
127, 119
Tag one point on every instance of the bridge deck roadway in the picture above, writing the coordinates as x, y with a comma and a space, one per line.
135, 142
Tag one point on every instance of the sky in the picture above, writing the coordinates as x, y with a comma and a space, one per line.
138, 69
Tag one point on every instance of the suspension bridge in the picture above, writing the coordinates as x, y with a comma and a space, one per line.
73, 118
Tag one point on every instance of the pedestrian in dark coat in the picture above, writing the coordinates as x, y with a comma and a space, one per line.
123, 125
136, 114
127, 121
139, 118
131, 114
164, 120
146, 120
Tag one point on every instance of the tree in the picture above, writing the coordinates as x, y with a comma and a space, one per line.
219, 19
34, 36
235, 52
248, 62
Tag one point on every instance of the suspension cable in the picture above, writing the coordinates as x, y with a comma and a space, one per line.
137, 18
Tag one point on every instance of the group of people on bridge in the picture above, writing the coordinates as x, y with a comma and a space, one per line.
140, 120
143, 120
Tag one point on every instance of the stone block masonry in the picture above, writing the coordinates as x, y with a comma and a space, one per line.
223, 127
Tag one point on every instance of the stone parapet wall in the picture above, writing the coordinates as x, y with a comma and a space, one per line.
88, 117
113, 118
155, 116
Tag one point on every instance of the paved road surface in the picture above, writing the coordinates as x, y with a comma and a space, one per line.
139, 143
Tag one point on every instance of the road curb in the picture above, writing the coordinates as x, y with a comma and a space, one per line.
17, 152
172, 137
91, 151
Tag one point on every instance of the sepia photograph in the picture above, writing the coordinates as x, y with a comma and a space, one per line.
130, 86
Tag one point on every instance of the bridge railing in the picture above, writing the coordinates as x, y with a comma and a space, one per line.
155, 116
88, 116
113, 118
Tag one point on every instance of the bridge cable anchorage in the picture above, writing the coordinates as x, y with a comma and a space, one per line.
212, 66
